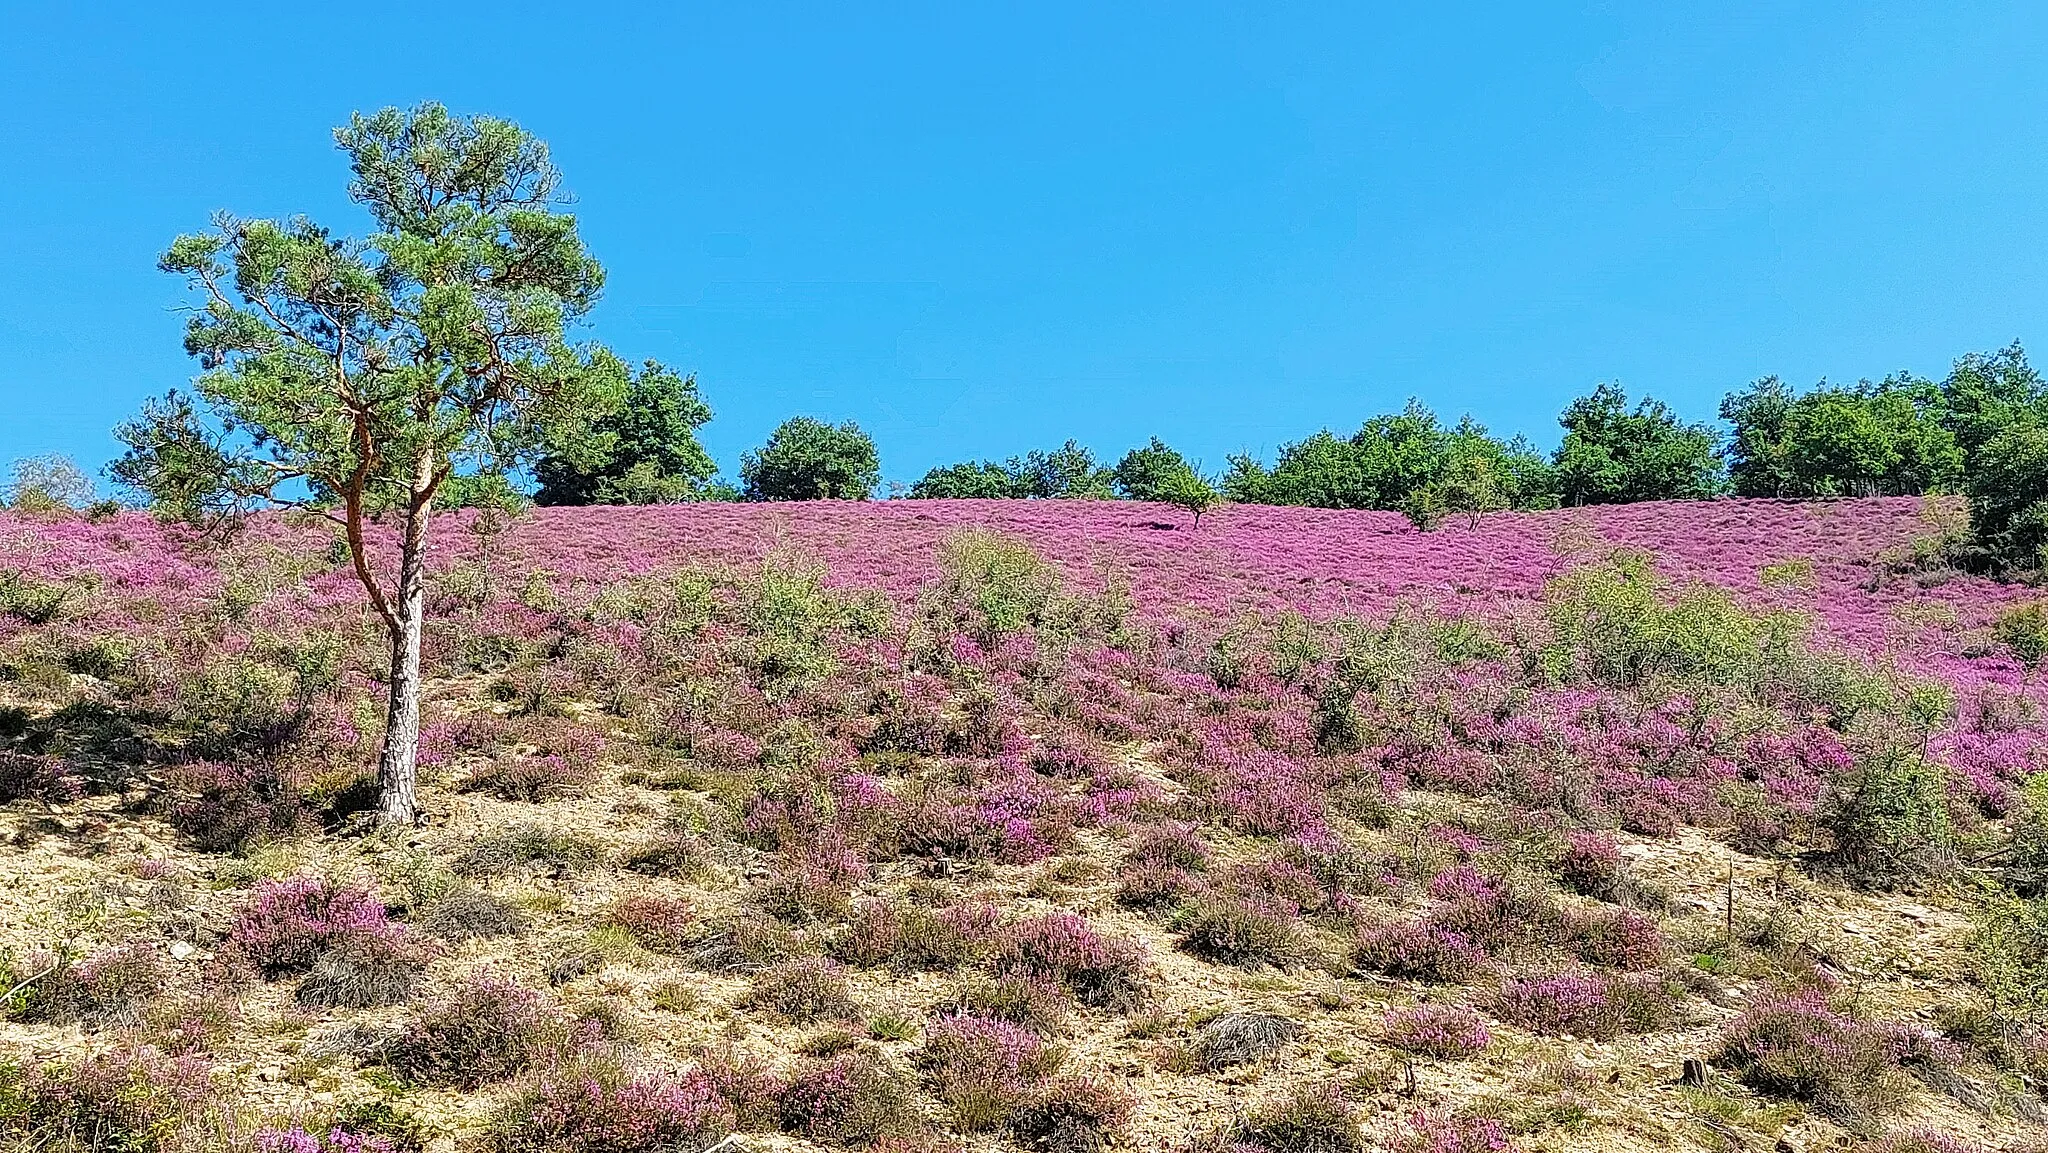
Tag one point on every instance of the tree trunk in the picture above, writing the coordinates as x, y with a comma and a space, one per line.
398, 766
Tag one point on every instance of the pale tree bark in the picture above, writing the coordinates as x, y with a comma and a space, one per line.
398, 765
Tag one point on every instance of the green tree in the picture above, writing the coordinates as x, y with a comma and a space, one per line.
1986, 393
1068, 471
1146, 473
644, 452
807, 459
352, 376
970, 480
1614, 454
1886, 438
1188, 490
1389, 461
2008, 491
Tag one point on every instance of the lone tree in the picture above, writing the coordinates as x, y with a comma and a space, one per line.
354, 378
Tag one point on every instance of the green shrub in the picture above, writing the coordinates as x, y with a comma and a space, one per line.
991, 584
2024, 630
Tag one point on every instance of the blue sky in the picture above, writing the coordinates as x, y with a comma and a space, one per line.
982, 228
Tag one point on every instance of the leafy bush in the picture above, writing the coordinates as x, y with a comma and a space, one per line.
807, 459
993, 584
2024, 629
1888, 817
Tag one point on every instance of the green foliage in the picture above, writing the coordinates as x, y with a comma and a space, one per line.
1874, 439
643, 452
2024, 630
1406, 461
1612, 454
1616, 622
1188, 490
2008, 490
994, 584
807, 459
2009, 951
1069, 471
1149, 473
1888, 816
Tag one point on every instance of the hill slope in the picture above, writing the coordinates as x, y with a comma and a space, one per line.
1044, 825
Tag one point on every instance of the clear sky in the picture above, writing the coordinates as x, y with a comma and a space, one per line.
980, 228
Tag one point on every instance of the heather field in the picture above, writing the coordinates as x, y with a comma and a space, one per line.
1055, 825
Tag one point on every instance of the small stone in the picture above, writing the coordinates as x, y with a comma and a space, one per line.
182, 950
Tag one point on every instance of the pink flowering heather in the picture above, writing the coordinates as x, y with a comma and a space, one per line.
982, 1066
1102, 971
1419, 950
1435, 1030
582, 1107
1439, 1133
286, 925
1584, 1005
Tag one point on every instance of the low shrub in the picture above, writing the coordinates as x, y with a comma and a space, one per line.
126, 1100
111, 987
1444, 1031
1591, 865
1241, 1038
486, 1029
1102, 972
1418, 951
285, 926
224, 808
1037, 1003
1239, 930
804, 989
854, 1098
38, 778
596, 1107
364, 972
1613, 937
525, 846
745, 1083
1154, 886
1586, 1005
981, 1067
1307, 1120
663, 924
336, 1139
1071, 1115
1797, 1045
465, 913
536, 778
1425, 1132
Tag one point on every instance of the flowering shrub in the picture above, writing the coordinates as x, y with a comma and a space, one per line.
46, 779
1419, 950
1435, 1030
226, 807
1590, 865
287, 925
1071, 1115
486, 1029
591, 1106
1240, 930
663, 924
296, 1139
1104, 972
1797, 1045
126, 1099
1615, 937
1440, 1133
981, 1067
804, 989
849, 1099
1584, 1005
